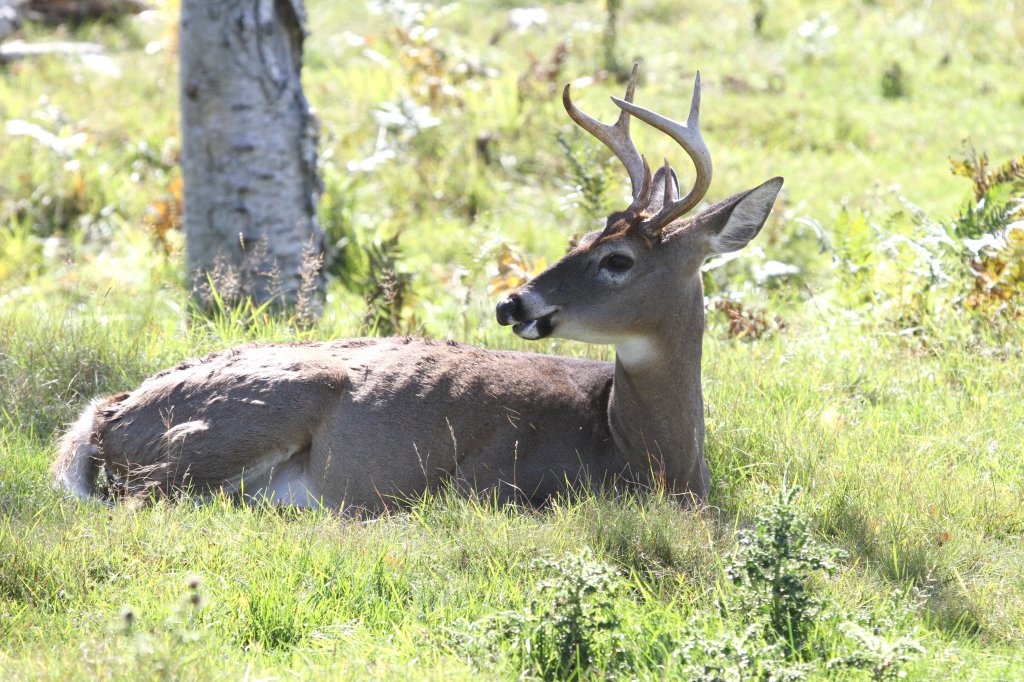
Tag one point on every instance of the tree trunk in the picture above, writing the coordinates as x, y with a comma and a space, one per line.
248, 153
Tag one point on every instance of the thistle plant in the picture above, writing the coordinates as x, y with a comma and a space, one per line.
776, 561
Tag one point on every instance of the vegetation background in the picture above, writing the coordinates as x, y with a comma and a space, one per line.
863, 359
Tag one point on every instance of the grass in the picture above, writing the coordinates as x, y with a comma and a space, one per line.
904, 440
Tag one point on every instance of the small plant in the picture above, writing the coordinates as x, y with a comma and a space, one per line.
610, 41
856, 256
308, 300
157, 653
386, 290
772, 574
882, 658
773, 569
979, 256
434, 66
748, 323
588, 179
227, 286
514, 269
571, 627
223, 302
542, 78
969, 267
572, 624
734, 656
164, 216
760, 14
976, 167
991, 232
894, 82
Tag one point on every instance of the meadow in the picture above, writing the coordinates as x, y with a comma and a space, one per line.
863, 359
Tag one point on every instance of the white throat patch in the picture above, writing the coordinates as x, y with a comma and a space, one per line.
635, 351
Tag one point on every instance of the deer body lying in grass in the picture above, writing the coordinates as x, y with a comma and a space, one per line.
360, 424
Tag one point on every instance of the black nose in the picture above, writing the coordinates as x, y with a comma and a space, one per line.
508, 310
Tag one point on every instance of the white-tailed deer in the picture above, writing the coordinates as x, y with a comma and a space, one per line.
360, 424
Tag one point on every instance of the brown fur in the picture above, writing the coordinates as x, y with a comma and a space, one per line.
375, 420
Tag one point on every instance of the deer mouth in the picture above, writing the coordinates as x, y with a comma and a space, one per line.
534, 329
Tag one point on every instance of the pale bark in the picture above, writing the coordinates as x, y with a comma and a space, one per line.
10, 17
248, 149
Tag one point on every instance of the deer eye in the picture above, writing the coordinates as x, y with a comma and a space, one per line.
617, 262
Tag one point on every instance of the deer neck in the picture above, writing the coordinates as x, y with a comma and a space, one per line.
656, 409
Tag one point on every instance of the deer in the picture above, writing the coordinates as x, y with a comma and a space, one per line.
365, 425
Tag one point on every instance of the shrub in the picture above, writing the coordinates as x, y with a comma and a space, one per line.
970, 268
571, 627
772, 577
990, 231
882, 658
894, 82
772, 572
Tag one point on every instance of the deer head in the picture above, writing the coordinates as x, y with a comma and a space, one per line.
630, 282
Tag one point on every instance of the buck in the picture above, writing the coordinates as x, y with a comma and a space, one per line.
364, 424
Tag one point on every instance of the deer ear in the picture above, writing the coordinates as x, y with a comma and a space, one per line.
732, 223
658, 189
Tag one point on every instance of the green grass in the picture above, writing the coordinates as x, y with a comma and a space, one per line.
903, 436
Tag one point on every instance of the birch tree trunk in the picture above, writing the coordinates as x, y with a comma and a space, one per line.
248, 152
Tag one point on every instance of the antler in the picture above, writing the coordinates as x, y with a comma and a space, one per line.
688, 136
616, 138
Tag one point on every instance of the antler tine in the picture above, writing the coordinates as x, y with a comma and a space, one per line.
689, 138
670, 193
615, 137
643, 196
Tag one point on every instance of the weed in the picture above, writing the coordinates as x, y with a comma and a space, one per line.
225, 304
610, 42
817, 37
970, 266
976, 167
747, 323
775, 562
894, 82
514, 269
882, 658
588, 178
575, 623
991, 232
760, 14
252, 284
164, 655
275, 619
164, 216
571, 626
733, 656
427, 61
541, 79
386, 291
309, 299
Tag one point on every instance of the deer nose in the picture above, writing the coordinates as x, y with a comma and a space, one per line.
509, 309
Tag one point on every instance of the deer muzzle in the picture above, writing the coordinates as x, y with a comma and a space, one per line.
513, 311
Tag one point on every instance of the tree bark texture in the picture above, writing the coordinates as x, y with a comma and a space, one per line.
248, 150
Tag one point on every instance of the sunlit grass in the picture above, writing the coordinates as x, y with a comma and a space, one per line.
909, 465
